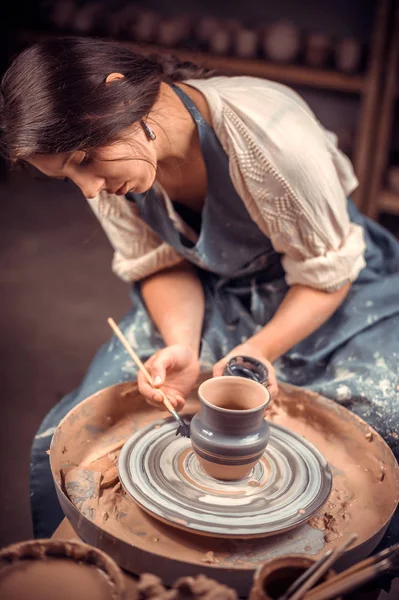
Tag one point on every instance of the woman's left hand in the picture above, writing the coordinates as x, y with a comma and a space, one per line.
252, 350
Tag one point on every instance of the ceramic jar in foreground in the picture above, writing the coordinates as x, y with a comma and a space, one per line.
52, 569
229, 433
276, 575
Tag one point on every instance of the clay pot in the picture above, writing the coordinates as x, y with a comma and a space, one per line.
276, 575
246, 43
48, 569
348, 55
205, 28
229, 433
220, 42
172, 32
317, 50
282, 42
145, 27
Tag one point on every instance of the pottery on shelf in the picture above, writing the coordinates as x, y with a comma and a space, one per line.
205, 28
348, 55
245, 43
220, 42
317, 50
172, 32
282, 42
229, 433
145, 26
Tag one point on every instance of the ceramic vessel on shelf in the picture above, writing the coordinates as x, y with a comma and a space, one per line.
229, 433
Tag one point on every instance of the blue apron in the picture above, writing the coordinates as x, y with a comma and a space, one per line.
352, 358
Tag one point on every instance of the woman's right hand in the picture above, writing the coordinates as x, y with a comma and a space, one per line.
174, 370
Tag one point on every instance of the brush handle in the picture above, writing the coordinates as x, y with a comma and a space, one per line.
390, 552
333, 589
140, 365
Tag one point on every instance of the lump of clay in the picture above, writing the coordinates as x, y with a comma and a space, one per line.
185, 588
149, 586
203, 588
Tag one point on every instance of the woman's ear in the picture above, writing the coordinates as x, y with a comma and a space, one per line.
113, 77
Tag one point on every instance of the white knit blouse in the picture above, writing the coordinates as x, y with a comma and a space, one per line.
289, 173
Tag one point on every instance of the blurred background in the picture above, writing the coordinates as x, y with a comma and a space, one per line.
56, 285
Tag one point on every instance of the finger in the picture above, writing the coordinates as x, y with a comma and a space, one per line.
218, 368
158, 367
272, 385
159, 405
176, 400
150, 394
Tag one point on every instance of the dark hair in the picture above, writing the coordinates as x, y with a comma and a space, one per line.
53, 98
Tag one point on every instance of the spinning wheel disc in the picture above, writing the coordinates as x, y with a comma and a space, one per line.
286, 487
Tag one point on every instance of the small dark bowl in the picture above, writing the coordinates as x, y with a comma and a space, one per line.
248, 367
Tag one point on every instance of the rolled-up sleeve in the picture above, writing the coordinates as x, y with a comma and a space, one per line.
289, 182
138, 251
330, 269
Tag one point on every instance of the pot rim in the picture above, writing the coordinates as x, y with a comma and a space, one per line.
232, 378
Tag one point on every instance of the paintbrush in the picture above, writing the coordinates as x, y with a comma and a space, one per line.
391, 553
332, 588
323, 567
184, 428
305, 576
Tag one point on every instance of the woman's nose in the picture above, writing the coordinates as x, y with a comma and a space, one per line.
90, 186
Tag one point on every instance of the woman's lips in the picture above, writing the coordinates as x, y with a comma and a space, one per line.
122, 190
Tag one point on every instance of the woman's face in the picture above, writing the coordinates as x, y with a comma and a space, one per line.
129, 164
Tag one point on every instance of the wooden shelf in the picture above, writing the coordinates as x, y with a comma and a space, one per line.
288, 74
389, 202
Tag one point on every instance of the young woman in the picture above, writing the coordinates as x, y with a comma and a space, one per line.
227, 205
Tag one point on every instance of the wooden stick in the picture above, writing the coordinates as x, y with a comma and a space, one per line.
139, 363
367, 562
349, 583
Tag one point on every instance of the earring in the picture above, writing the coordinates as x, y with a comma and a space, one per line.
148, 131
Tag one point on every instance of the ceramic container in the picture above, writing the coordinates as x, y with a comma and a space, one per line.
348, 55
282, 42
248, 367
229, 433
317, 50
48, 569
276, 575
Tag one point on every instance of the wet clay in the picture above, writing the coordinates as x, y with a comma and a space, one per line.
53, 578
364, 496
185, 588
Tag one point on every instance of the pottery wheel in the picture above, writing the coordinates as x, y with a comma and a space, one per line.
287, 486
